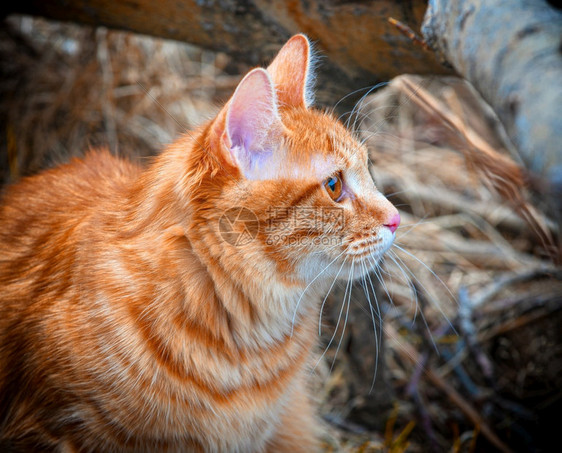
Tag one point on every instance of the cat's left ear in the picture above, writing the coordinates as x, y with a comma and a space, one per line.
252, 124
292, 72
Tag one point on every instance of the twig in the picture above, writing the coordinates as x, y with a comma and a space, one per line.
517, 323
461, 374
413, 392
487, 293
409, 353
407, 31
469, 332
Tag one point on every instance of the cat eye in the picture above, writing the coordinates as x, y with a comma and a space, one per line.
334, 186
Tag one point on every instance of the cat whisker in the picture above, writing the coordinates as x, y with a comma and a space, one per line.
393, 113
347, 287
417, 306
370, 112
369, 87
386, 134
347, 304
407, 280
430, 270
376, 267
327, 294
435, 303
376, 126
376, 130
361, 105
382, 267
410, 227
398, 192
378, 341
308, 286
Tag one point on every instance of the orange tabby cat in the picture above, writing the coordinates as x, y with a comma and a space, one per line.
173, 308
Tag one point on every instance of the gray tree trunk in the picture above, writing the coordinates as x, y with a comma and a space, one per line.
511, 51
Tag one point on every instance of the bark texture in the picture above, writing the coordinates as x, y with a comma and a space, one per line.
359, 45
511, 51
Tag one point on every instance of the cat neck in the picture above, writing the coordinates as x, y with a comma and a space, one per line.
264, 306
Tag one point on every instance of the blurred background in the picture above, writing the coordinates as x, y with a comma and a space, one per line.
468, 356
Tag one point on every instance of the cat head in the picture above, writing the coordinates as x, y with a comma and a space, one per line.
285, 189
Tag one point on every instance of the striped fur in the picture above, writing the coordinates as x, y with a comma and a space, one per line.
128, 323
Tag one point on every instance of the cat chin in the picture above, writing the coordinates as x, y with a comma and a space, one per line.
323, 271
344, 266
360, 264
359, 268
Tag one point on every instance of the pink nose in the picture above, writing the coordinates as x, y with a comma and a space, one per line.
393, 223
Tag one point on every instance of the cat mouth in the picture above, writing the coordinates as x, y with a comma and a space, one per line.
372, 248
365, 253
363, 246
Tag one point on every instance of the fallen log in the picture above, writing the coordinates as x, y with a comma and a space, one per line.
358, 46
510, 50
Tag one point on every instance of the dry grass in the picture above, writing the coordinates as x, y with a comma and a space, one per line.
472, 296
67, 88
472, 300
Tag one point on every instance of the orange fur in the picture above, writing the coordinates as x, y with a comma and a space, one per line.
128, 323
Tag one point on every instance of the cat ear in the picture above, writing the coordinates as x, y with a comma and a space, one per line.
252, 123
293, 73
